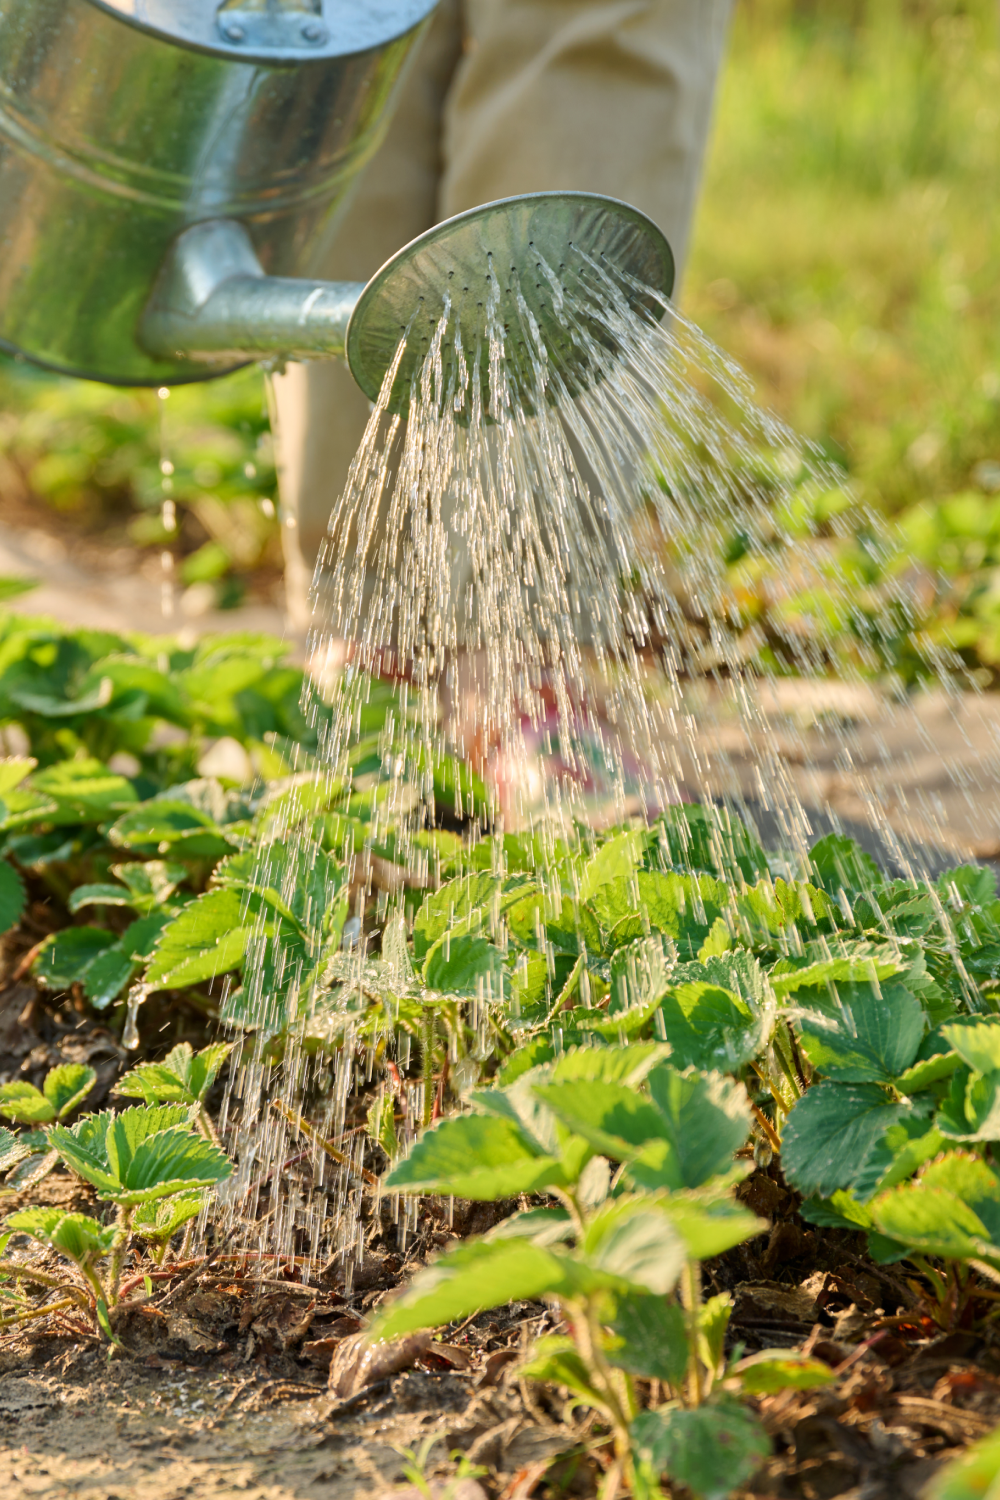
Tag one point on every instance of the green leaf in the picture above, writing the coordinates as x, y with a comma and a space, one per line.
68, 1085
650, 1338
12, 897
380, 1124
840, 1211
475, 1156
78, 1237
557, 1361
85, 790
464, 965
206, 938
13, 770
710, 1229
98, 895
971, 1109
713, 1322
149, 1163
781, 1370
865, 1033
616, 858
159, 1219
682, 1134
183, 1077
904, 1147
977, 1042
707, 1120
700, 836
631, 1240
449, 906
830, 1130
932, 1220
25, 1103
67, 956
973, 1475
711, 1028
12, 1149
487, 1273
713, 1449
840, 863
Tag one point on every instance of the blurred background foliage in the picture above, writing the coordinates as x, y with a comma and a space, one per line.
845, 253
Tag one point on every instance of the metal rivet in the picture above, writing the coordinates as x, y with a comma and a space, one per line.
233, 32
314, 32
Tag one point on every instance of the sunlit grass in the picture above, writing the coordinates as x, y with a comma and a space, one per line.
847, 244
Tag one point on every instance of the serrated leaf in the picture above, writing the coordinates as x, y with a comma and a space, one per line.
68, 1085
713, 1449
713, 1321
206, 938
67, 956
98, 895
977, 1042
183, 1076
487, 1273
970, 1111
830, 1130
12, 1149
904, 1147
637, 1245
159, 1219
78, 1237
13, 770
380, 1124
616, 858
932, 1220
864, 1033
481, 1157
840, 1211
26, 1104
464, 965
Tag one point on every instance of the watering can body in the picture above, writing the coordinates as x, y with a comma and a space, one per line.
125, 122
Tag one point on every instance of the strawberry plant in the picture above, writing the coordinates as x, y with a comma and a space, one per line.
638, 1157
182, 1077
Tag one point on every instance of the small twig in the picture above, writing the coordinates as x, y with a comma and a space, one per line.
313, 1134
230, 1401
197, 1272
773, 1139
38, 1312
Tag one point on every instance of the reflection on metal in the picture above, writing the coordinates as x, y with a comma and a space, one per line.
213, 302
498, 251
124, 122
272, 24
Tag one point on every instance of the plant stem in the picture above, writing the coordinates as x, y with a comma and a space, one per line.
39, 1312
126, 1213
691, 1299
773, 1139
42, 1278
204, 1123
427, 1063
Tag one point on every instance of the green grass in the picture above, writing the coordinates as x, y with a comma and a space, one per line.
848, 236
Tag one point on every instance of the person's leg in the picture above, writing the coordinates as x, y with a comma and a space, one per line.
320, 412
608, 96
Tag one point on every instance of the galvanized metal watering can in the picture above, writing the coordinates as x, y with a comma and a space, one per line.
171, 170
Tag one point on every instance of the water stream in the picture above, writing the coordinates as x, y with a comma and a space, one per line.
545, 559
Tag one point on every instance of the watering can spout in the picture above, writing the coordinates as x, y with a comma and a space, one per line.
212, 303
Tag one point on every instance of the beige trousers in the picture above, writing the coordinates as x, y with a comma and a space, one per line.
505, 97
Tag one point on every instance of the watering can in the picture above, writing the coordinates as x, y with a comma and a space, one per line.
172, 170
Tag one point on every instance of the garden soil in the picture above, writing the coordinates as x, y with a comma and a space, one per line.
233, 1383
236, 1379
